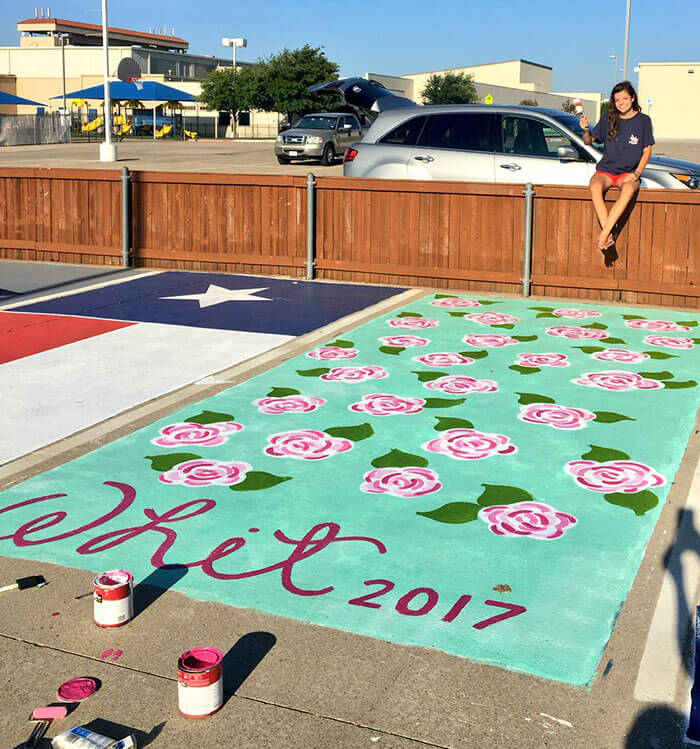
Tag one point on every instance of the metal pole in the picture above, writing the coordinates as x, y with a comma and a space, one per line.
126, 206
108, 150
233, 46
63, 70
627, 40
310, 225
529, 194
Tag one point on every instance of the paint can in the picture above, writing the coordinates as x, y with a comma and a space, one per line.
200, 684
113, 600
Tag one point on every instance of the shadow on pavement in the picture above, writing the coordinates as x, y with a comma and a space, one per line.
658, 727
243, 658
65, 284
152, 587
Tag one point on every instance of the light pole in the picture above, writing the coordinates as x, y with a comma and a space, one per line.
614, 57
63, 68
108, 150
627, 40
234, 42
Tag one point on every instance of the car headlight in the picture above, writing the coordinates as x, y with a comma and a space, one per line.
689, 180
315, 139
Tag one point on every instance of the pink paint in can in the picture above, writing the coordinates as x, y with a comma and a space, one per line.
113, 600
200, 684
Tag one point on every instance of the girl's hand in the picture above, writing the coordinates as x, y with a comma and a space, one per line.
585, 124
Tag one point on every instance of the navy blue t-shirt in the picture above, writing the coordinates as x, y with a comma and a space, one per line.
625, 152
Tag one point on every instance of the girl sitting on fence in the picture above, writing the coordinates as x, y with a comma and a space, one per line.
627, 136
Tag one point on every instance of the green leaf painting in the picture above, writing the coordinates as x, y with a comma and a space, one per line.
507, 325
352, 433
445, 296
443, 402
445, 422
166, 462
313, 372
398, 459
453, 512
393, 350
676, 384
494, 494
457, 314
604, 454
545, 314
525, 338
524, 370
639, 503
613, 340
688, 323
409, 314
475, 354
590, 349
340, 343
633, 317
424, 376
527, 398
610, 417
209, 417
278, 392
256, 480
596, 326
665, 375
488, 301
660, 355
542, 309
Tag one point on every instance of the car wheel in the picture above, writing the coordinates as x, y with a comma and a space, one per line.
283, 160
328, 158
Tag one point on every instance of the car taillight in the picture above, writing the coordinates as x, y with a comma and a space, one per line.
350, 154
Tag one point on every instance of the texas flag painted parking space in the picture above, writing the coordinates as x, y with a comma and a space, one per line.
73, 361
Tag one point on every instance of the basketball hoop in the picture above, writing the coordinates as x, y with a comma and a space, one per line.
129, 71
137, 82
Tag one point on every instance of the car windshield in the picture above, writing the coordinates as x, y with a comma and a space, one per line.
315, 122
571, 121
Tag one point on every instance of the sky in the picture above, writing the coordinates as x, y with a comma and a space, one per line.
575, 38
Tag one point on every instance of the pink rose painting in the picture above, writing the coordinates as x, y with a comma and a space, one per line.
190, 433
203, 472
443, 359
305, 444
489, 340
455, 302
527, 519
619, 381
384, 404
333, 352
576, 333
461, 385
470, 444
669, 342
492, 318
658, 326
620, 355
576, 314
413, 322
613, 476
289, 404
553, 415
406, 482
404, 340
355, 374
542, 360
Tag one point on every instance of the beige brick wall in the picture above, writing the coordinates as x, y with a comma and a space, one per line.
675, 98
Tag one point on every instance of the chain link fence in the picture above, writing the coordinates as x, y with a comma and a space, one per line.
33, 129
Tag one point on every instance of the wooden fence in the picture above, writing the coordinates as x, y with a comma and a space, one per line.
442, 234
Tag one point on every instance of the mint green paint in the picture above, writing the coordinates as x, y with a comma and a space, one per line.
572, 586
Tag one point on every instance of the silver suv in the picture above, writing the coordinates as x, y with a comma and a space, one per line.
320, 136
479, 143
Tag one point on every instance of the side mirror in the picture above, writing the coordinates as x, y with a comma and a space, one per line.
567, 153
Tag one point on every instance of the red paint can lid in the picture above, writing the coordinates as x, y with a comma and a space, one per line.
75, 690
113, 579
199, 660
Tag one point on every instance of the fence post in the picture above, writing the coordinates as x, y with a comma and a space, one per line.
126, 216
529, 194
310, 225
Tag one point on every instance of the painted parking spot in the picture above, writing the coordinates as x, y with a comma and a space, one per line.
75, 360
478, 476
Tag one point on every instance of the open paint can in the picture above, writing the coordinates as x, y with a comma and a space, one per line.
113, 603
200, 684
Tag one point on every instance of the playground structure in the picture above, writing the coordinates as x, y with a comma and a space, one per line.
136, 123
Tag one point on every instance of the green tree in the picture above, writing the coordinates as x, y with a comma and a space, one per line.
450, 88
605, 108
288, 75
528, 102
569, 106
233, 91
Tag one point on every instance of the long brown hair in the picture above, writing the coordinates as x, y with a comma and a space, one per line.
613, 114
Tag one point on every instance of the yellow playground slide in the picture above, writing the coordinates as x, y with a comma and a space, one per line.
165, 130
88, 127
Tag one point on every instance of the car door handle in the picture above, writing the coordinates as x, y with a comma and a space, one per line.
512, 167
425, 159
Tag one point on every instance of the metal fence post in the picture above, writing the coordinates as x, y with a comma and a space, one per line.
529, 194
310, 225
126, 216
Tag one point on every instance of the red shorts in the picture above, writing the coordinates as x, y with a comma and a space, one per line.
615, 177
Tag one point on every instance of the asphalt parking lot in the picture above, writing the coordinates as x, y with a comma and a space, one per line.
220, 156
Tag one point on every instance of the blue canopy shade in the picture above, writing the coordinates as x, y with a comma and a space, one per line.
6, 98
121, 91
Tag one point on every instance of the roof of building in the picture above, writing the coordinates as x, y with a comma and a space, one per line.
480, 65
78, 29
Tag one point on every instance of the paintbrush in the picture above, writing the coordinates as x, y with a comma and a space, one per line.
33, 581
